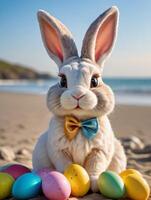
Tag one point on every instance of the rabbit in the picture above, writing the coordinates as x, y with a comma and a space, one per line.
81, 95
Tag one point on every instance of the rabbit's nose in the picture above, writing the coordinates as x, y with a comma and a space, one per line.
77, 97
78, 92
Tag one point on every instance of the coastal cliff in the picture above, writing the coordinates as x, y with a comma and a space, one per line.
16, 71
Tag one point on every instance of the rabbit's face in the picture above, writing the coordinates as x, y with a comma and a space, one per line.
80, 91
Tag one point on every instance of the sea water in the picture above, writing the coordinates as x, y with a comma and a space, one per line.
127, 90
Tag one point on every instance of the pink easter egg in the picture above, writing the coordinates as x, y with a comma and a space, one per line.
56, 186
16, 170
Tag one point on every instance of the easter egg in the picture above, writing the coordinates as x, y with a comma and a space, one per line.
56, 186
78, 178
42, 172
6, 183
127, 172
16, 170
27, 186
136, 187
111, 185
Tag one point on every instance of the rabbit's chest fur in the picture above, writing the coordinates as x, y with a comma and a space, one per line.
80, 147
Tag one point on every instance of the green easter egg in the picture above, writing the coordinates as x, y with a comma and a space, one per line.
111, 185
6, 183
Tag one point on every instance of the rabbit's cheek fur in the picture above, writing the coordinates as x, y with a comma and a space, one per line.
67, 101
106, 101
53, 98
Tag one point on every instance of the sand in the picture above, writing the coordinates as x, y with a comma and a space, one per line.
24, 117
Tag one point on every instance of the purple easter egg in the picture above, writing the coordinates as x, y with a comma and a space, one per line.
42, 172
16, 170
56, 186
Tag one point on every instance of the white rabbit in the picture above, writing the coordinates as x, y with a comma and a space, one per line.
82, 95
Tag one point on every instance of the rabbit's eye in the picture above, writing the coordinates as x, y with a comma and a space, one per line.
63, 81
94, 81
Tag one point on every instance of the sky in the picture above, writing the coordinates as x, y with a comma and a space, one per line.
20, 39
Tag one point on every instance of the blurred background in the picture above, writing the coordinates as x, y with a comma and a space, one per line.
23, 56
26, 71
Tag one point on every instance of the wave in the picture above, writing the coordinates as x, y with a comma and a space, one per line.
134, 91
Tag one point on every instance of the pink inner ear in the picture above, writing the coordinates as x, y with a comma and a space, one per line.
52, 40
105, 36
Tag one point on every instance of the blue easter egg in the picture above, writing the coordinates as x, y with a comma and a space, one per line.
27, 186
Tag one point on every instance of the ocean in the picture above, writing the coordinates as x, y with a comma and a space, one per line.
127, 90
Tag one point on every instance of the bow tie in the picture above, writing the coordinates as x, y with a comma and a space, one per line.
72, 125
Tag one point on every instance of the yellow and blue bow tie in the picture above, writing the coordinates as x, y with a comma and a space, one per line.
72, 125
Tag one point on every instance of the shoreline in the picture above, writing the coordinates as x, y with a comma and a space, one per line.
128, 91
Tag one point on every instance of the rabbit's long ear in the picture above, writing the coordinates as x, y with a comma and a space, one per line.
100, 37
57, 38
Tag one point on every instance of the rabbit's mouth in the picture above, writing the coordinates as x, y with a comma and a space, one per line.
78, 107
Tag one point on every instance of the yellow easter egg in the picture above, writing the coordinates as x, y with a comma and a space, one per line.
136, 187
6, 183
78, 179
127, 172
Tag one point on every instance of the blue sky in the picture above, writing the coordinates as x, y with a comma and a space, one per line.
20, 39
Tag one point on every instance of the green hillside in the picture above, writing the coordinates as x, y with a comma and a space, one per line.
15, 71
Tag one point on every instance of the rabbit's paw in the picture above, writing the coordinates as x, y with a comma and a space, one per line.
94, 183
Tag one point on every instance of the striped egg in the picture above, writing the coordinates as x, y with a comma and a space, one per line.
111, 185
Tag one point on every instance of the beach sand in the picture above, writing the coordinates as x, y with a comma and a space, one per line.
24, 117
